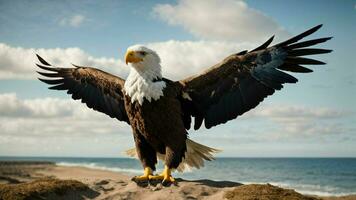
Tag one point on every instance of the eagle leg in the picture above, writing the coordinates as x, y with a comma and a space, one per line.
145, 177
165, 176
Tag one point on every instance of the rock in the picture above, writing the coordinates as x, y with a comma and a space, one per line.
47, 189
264, 192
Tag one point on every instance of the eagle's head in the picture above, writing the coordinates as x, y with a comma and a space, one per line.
142, 58
145, 78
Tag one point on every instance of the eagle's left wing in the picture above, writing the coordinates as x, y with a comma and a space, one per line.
241, 81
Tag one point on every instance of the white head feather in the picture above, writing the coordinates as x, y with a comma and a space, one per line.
140, 82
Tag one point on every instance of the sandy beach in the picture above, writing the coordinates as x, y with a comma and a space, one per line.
45, 180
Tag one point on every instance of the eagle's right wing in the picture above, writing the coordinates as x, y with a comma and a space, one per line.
99, 90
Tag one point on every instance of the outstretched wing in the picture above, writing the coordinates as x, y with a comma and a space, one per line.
241, 81
97, 89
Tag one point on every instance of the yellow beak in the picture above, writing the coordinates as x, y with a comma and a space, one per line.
131, 57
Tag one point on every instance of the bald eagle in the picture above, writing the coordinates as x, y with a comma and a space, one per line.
160, 110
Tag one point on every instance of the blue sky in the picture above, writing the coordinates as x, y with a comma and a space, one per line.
315, 117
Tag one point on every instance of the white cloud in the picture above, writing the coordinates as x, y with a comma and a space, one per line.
231, 20
299, 121
19, 63
11, 106
50, 116
62, 127
180, 59
294, 112
73, 21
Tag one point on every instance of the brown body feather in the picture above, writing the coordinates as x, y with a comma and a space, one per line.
158, 127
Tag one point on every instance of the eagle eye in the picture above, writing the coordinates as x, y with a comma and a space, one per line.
143, 53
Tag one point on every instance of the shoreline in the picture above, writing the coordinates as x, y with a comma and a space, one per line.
133, 172
105, 184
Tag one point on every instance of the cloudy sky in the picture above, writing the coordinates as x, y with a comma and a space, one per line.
316, 117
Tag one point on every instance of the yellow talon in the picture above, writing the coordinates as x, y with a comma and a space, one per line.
145, 177
165, 177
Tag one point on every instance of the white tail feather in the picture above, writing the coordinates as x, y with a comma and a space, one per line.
194, 156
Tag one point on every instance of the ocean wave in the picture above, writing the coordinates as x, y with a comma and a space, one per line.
96, 166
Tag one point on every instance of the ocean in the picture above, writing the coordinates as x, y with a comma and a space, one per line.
317, 176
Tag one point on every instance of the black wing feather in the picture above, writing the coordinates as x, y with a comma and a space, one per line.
308, 43
295, 68
304, 52
42, 60
97, 89
241, 81
303, 61
300, 36
264, 45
